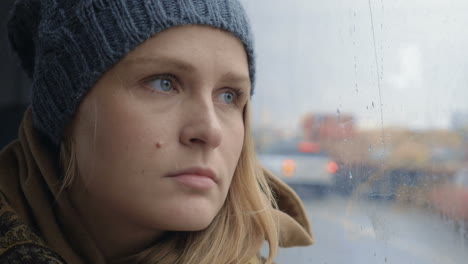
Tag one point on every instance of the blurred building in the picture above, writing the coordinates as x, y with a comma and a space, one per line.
319, 127
459, 121
460, 124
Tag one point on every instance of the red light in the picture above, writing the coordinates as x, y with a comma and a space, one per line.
309, 147
332, 167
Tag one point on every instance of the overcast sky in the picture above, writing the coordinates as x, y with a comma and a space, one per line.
319, 56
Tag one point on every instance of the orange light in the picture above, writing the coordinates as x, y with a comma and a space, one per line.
332, 167
289, 166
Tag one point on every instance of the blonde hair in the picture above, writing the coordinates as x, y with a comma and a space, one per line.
237, 232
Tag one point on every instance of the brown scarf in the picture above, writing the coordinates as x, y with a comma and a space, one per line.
37, 224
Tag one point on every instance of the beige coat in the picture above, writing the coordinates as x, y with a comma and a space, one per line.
38, 226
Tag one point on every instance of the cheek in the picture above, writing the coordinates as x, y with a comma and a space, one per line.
117, 139
239, 142
235, 142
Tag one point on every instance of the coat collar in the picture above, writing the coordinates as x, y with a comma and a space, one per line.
29, 180
295, 228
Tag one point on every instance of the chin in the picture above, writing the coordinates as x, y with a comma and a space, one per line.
195, 219
195, 223
184, 214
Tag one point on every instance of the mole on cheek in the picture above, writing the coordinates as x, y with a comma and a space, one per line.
158, 145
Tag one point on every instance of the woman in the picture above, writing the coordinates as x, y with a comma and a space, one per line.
137, 146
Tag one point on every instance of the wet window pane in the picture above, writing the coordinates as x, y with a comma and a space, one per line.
361, 106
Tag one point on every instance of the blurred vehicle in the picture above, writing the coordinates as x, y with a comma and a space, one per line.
451, 200
302, 165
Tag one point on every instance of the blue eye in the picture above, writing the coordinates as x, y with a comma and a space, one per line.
161, 84
228, 97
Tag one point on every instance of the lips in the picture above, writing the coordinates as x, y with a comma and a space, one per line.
196, 172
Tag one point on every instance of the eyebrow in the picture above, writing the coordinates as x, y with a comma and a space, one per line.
232, 77
163, 61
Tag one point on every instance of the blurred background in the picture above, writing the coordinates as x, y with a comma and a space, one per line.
362, 107
14, 84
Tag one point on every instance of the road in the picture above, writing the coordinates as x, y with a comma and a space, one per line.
362, 231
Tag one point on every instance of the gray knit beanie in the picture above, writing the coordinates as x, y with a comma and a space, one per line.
65, 46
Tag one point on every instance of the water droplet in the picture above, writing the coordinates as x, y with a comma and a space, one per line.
350, 175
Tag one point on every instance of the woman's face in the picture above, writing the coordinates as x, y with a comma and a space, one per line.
158, 138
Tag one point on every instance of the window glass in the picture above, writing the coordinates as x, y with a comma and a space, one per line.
361, 106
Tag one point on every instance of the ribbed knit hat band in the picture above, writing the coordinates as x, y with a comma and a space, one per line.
65, 46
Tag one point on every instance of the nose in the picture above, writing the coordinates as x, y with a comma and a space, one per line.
201, 127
